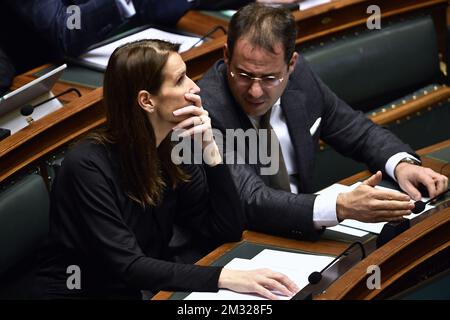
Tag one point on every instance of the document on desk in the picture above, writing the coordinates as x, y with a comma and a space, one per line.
100, 56
296, 266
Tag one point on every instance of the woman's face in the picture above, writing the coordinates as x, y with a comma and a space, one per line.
175, 85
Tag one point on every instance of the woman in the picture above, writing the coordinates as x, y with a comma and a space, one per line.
118, 194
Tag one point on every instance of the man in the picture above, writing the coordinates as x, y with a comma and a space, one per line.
262, 79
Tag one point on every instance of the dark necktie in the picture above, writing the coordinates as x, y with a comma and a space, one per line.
280, 180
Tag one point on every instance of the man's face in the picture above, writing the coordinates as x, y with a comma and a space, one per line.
256, 97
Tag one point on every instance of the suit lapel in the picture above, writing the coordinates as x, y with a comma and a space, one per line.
294, 109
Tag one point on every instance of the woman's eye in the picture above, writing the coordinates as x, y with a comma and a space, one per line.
180, 81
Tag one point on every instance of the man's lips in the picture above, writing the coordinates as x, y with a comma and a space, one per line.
254, 103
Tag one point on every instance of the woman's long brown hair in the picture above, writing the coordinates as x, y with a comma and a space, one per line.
133, 67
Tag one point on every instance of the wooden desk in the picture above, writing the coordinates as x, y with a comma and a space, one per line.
427, 239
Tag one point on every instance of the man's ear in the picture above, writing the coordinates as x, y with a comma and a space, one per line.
226, 54
293, 62
145, 100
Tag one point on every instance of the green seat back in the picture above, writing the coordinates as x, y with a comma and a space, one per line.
377, 66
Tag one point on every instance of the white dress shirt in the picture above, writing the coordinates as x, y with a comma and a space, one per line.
324, 211
126, 8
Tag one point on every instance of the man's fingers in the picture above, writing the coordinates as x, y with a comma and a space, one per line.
440, 181
381, 194
389, 215
391, 205
410, 189
374, 179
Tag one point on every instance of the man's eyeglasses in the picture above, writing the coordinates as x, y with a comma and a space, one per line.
246, 80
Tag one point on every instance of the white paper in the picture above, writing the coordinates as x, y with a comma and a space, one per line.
100, 56
348, 230
306, 4
14, 121
296, 266
335, 188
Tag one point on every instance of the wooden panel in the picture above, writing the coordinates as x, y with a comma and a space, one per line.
397, 258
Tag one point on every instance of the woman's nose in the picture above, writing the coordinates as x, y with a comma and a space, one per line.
195, 88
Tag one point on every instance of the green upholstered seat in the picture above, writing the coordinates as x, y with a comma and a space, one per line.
24, 211
372, 68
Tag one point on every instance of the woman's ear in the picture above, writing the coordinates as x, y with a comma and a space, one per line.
145, 100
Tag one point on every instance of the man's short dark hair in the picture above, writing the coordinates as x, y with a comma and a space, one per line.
264, 27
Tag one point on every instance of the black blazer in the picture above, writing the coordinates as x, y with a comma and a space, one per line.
6, 72
40, 26
305, 99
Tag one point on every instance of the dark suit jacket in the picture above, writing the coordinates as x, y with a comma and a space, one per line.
305, 99
6, 72
34, 32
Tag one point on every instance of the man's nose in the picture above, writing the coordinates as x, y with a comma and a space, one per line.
255, 89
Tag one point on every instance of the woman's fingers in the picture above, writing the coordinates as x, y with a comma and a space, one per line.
190, 110
195, 98
194, 130
193, 121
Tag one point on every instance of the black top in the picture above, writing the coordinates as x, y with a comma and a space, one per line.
120, 247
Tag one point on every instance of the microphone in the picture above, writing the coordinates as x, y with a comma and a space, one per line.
316, 276
208, 33
28, 109
419, 205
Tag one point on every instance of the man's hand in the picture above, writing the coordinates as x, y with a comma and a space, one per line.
260, 281
410, 176
368, 204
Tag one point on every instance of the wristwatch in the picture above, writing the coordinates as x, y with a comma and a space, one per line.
410, 161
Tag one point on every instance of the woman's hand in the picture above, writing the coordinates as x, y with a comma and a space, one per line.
260, 281
198, 122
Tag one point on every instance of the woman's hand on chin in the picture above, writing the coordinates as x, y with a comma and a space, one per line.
198, 122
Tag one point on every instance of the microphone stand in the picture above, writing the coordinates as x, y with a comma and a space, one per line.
332, 271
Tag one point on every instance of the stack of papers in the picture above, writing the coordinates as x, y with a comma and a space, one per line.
297, 266
99, 57
358, 228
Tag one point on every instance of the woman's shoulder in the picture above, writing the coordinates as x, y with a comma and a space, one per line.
88, 153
